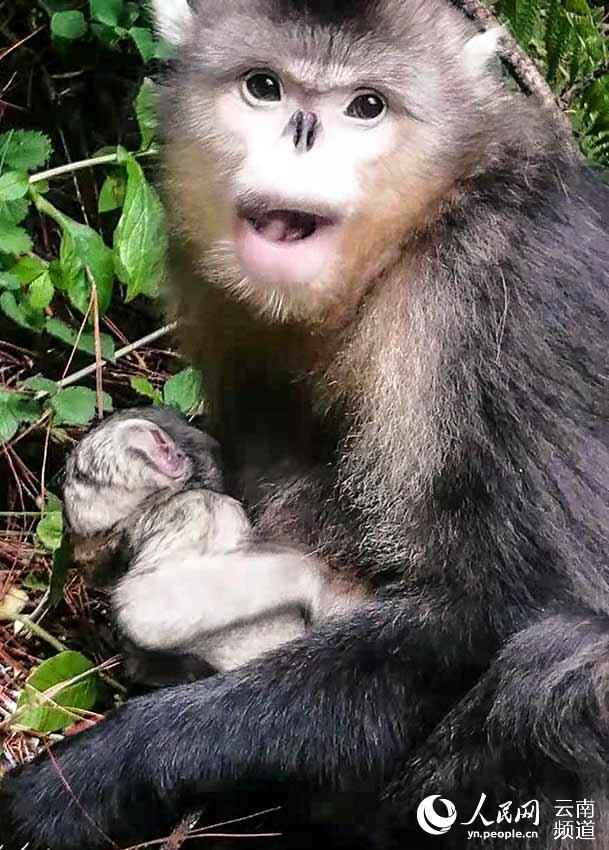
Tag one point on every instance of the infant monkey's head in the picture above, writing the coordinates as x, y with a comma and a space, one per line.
129, 458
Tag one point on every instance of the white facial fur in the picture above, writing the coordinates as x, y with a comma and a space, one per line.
327, 175
172, 19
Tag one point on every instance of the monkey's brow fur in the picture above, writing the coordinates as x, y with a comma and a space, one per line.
447, 438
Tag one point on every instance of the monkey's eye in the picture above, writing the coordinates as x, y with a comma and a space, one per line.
261, 87
366, 106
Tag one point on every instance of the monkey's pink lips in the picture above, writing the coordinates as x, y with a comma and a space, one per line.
288, 247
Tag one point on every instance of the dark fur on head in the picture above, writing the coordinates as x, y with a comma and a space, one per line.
432, 415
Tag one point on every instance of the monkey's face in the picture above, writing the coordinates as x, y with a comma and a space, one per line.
302, 152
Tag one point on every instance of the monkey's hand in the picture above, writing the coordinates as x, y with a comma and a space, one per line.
332, 708
129, 457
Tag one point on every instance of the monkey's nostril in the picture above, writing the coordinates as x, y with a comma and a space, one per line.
305, 126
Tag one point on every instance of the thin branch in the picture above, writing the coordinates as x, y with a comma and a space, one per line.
522, 67
121, 352
70, 167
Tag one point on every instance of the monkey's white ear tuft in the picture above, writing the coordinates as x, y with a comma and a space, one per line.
172, 19
480, 49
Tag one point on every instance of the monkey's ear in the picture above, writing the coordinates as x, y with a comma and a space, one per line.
158, 448
172, 19
481, 49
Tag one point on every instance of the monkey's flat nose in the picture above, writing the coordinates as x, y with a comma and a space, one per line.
304, 126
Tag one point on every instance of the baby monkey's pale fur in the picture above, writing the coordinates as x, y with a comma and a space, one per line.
145, 484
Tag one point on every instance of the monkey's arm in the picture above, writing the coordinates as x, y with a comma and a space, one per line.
334, 709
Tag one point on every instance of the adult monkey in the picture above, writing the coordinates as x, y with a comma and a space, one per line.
405, 342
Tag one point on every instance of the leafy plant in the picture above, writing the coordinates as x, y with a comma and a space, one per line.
113, 24
569, 38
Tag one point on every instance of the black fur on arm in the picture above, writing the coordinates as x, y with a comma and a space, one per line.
334, 711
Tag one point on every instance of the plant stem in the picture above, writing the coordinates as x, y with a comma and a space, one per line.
36, 629
69, 167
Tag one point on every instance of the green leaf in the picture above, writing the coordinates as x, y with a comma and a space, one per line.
9, 424
144, 41
41, 291
50, 530
139, 239
55, 711
108, 37
106, 11
13, 185
13, 212
8, 280
13, 239
112, 194
24, 150
143, 387
17, 308
76, 406
59, 330
28, 269
68, 25
39, 384
23, 407
15, 408
82, 246
146, 113
183, 390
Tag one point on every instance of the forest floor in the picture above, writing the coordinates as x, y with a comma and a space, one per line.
82, 103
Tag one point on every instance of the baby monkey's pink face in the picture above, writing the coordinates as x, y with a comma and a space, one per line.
299, 161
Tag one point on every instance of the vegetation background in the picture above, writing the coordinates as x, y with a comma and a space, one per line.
81, 329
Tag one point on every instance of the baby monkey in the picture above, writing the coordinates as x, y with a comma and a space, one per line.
195, 592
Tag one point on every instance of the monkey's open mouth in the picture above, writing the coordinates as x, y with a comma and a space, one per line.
285, 246
287, 225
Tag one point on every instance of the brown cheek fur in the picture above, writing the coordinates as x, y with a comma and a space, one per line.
401, 198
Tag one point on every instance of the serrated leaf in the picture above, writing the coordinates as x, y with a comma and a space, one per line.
8, 280
139, 239
145, 111
69, 25
112, 193
108, 37
13, 212
48, 702
18, 309
28, 269
13, 239
24, 150
15, 408
183, 390
50, 530
39, 384
9, 424
41, 292
86, 342
106, 11
143, 387
81, 246
23, 407
13, 185
76, 406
